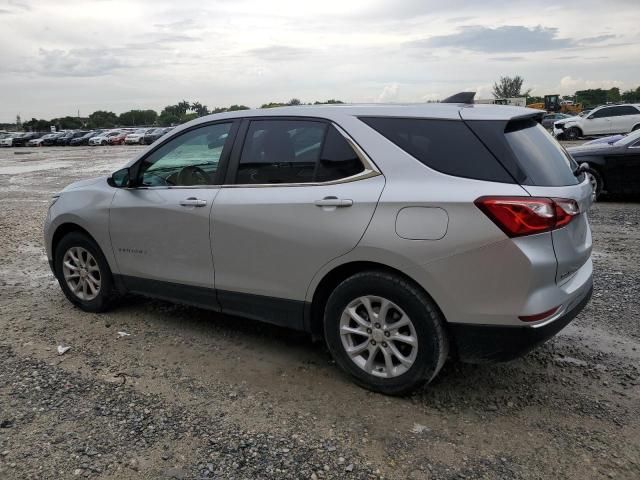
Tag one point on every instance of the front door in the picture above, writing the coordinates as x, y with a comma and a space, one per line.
299, 196
598, 123
160, 229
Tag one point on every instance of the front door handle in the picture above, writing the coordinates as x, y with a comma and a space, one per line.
193, 202
334, 202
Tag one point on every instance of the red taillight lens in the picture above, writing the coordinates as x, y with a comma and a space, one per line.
520, 216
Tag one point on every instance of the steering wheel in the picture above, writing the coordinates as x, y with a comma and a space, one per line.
192, 175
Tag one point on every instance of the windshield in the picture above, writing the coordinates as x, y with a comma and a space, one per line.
140, 131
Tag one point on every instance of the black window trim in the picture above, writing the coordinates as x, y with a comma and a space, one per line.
369, 167
222, 162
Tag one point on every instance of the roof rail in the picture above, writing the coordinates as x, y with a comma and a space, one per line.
462, 97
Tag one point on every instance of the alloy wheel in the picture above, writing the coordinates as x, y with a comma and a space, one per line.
593, 181
378, 336
81, 273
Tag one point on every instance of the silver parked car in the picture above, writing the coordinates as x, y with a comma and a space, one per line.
402, 235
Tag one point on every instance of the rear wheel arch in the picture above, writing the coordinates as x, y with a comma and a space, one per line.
635, 127
324, 288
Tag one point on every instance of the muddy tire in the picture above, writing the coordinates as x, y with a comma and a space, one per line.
385, 332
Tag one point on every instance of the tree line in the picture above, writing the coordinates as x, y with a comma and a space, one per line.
510, 87
170, 115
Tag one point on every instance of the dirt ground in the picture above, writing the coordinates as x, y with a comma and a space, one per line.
195, 394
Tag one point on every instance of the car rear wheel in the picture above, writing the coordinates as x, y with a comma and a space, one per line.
573, 133
385, 332
83, 273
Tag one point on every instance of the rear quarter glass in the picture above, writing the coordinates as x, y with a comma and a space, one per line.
448, 146
528, 151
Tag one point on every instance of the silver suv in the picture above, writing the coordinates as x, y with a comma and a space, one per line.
402, 235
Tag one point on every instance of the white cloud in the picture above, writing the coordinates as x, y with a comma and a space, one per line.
389, 93
64, 55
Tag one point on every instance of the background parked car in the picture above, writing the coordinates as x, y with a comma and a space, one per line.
49, 140
38, 141
550, 118
155, 134
137, 137
26, 138
118, 139
613, 167
604, 120
103, 138
84, 139
66, 139
9, 140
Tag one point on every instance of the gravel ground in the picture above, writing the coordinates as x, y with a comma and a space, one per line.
195, 394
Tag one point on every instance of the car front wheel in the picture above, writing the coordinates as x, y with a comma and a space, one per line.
83, 273
573, 133
385, 332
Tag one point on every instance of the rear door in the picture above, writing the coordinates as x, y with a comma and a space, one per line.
624, 118
298, 194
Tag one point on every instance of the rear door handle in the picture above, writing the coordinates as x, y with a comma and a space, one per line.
193, 202
334, 202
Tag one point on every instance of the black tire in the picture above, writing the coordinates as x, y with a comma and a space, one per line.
597, 178
428, 322
107, 293
572, 133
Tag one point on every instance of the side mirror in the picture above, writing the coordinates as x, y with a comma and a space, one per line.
120, 179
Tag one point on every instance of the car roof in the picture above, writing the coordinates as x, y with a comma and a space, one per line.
444, 111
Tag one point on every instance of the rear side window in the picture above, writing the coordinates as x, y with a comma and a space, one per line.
295, 151
447, 146
544, 160
624, 110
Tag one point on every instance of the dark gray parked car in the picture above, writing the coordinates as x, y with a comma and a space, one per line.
614, 167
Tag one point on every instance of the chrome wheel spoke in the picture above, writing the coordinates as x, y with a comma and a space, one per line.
81, 273
388, 362
396, 353
369, 364
358, 349
378, 336
355, 331
404, 339
357, 318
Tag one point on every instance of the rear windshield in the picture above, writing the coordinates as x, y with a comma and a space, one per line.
448, 146
539, 155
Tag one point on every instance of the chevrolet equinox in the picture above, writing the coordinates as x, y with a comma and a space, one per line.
401, 234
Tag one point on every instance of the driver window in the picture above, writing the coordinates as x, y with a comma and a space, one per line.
186, 160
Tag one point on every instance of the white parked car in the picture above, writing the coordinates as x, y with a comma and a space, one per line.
137, 137
103, 138
604, 120
8, 140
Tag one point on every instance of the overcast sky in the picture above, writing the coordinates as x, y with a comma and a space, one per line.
58, 57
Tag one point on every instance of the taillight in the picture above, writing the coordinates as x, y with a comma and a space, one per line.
521, 216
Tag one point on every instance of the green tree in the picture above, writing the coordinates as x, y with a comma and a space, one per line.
534, 99
509, 87
67, 123
631, 96
273, 105
234, 108
200, 109
613, 95
592, 97
102, 119
329, 102
34, 125
137, 117
294, 101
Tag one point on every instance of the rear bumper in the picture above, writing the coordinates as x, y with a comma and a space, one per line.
489, 343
